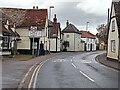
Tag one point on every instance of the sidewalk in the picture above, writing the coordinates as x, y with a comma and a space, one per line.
110, 63
13, 70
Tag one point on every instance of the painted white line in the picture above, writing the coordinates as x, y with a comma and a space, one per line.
35, 79
36, 75
31, 80
87, 76
23, 80
74, 65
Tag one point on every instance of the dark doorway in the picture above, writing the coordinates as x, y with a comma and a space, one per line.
91, 47
85, 47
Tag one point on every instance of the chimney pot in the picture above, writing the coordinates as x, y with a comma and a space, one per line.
36, 7
33, 7
67, 23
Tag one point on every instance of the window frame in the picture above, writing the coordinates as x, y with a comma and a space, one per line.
113, 25
113, 46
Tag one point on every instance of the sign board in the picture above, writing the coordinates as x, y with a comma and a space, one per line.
34, 32
35, 45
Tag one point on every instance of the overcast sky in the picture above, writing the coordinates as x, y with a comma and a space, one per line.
78, 12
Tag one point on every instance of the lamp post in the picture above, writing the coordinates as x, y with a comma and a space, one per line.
49, 25
87, 23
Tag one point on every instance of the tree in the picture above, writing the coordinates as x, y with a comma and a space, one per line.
102, 35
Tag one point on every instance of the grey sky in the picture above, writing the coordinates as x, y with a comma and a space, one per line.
78, 12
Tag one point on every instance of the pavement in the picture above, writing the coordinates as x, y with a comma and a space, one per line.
102, 58
13, 71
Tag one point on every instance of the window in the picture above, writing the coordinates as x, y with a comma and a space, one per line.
67, 36
5, 41
113, 48
113, 25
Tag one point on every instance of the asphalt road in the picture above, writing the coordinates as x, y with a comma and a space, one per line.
76, 70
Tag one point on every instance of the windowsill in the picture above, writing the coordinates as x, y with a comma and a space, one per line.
113, 30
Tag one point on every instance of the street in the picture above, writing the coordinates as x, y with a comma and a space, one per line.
76, 70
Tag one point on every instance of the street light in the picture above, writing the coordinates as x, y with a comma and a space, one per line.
49, 25
87, 25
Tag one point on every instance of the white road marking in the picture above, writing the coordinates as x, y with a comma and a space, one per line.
35, 80
23, 80
87, 76
31, 80
36, 75
74, 65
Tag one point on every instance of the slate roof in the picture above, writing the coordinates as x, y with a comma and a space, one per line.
26, 17
70, 29
3, 21
87, 34
117, 12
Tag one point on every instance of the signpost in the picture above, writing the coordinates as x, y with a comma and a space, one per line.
33, 33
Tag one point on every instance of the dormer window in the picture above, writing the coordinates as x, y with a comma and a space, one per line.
113, 25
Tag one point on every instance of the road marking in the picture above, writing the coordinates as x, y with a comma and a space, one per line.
87, 76
23, 80
35, 80
31, 80
74, 65
36, 74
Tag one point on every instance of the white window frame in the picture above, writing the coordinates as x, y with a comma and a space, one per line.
113, 25
113, 46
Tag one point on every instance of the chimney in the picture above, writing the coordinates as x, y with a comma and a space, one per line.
36, 7
55, 19
33, 7
55, 25
67, 23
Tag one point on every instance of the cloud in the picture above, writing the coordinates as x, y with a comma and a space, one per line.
98, 7
78, 12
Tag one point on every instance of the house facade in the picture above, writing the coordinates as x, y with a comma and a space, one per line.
9, 36
72, 35
113, 51
89, 39
55, 35
31, 25
1, 42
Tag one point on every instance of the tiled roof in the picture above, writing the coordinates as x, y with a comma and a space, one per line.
26, 17
117, 12
87, 34
70, 29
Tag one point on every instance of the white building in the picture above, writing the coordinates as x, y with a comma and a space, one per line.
73, 36
55, 35
90, 40
113, 51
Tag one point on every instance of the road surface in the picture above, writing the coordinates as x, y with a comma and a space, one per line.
76, 70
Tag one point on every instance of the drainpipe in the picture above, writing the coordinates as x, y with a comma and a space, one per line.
74, 42
119, 50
